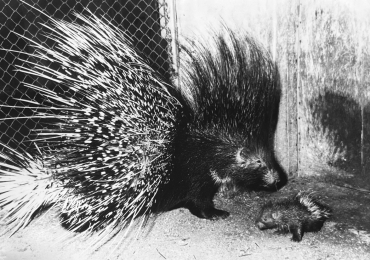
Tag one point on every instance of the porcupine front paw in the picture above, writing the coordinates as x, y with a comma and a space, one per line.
297, 235
207, 211
215, 214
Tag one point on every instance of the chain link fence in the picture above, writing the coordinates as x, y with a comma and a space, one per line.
321, 49
146, 21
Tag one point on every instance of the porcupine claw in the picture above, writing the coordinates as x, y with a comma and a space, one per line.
207, 211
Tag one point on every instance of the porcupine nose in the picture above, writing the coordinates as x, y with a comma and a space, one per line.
260, 225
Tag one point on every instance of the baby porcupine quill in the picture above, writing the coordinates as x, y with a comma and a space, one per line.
297, 215
123, 143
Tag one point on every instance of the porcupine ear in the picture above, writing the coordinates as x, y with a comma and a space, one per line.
276, 215
244, 160
241, 156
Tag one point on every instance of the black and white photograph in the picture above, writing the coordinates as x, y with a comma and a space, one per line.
184, 129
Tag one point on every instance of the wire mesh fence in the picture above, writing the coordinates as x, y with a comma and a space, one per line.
321, 49
146, 21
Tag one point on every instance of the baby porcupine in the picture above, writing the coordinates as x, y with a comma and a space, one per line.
298, 214
123, 143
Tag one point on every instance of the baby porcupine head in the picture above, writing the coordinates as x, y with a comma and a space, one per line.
273, 216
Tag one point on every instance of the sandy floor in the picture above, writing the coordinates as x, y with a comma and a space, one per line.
180, 235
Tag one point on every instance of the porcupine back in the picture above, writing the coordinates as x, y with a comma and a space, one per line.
110, 135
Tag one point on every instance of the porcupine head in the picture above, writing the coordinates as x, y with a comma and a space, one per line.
270, 217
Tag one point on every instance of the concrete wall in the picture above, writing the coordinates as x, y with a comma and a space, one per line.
199, 16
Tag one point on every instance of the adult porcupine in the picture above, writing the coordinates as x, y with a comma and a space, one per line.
298, 214
232, 110
124, 143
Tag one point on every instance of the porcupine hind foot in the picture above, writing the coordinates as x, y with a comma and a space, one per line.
200, 202
195, 193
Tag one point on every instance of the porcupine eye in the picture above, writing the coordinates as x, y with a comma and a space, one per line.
259, 163
247, 159
244, 159
240, 156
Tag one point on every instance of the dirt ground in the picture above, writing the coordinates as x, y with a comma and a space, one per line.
180, 235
